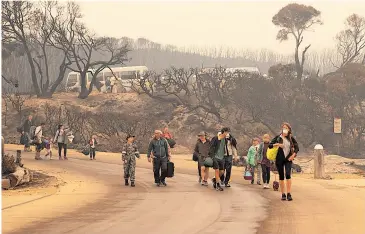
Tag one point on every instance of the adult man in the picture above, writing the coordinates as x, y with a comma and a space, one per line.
202, 148
38, 141
25, 131
217, 148
230, 151
159, 151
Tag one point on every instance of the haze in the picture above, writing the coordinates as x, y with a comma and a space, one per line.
245, 24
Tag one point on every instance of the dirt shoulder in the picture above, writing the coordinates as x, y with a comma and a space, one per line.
57, 190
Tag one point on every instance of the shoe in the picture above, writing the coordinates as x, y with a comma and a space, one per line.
227, 185
258, 183
200, 179
91, 159
283, 197
214, 183
59, 158
158, 184
132, 184
126, 183
205, 183
252, 181
94, 159
222, 183
218, 187
289, 197
164, 183
65, 158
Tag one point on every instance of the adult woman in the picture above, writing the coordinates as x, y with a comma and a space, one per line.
288, 149
202, 148
61, 140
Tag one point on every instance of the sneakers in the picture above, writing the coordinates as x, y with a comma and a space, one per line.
204, 183
258, 183
228, 185
283, 197
126, 183
252, 181
164, 183
289, 198
222, 183
133, 184
158, 184
266, 186
214, 183
65, 158
218, 187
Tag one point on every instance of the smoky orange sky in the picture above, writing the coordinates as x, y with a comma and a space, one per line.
236, 24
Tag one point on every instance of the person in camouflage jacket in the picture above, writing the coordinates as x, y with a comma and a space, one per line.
129, 154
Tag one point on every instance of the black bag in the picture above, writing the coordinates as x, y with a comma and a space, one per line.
170, 169
86, 151
171, 142
195, 157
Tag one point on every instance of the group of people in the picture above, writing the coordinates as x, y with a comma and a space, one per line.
221, 150
217, 153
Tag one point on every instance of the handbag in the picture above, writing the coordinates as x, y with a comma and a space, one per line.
272, 153
208, 162
247, 175
195, 157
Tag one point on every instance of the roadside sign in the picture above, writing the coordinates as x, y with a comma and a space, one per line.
337, 126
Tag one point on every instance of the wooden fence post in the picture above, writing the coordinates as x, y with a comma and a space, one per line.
319, 162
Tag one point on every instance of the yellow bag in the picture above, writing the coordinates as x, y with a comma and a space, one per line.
271, 153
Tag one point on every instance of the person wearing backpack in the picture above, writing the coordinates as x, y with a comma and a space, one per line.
60, 139
287, 151
230, 154
253, 160
25, 131
159, 152
38, 141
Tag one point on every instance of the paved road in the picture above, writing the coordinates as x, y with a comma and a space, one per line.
183, 206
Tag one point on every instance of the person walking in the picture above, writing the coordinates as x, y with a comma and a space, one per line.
202, 148
25, 128
159, 152
253, 159
265, 163
61, 140
93, 144
217, 148
230, 154
287, 151
129, 154
38, 141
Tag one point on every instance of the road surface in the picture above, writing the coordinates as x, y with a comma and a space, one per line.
186, 207
183, 206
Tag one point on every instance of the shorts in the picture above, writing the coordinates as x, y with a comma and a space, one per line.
218, 164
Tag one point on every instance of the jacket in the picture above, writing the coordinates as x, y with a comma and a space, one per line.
202, 149
130, 150
160, 148
294, 147
252, 156
26, 126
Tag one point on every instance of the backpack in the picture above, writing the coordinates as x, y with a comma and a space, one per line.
32, 132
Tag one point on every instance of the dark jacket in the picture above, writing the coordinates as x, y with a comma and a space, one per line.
202, 149
294, 147
159, 148
26, 125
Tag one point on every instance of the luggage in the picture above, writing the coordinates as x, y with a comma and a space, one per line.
171, 142
247, 174
275, 185
271, 153
86, 151
208, 162
170, 169
195, 157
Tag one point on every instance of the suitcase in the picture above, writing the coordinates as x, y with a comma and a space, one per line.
170, 169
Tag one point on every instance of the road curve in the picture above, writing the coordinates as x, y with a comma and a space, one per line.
183, 207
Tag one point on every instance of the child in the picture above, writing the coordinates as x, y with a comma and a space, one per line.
254, 161
265, 163
48, 146
92, 144
129, 154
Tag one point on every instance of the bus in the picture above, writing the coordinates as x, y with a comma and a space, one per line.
123, 77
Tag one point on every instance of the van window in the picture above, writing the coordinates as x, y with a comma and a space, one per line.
128, 75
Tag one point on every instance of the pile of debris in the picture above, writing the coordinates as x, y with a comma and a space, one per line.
13, 171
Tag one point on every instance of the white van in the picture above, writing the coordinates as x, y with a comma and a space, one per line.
123, 78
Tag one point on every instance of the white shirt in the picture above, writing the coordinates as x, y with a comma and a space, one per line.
38, 132
286, 148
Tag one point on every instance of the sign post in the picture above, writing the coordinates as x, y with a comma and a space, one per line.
337, 129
